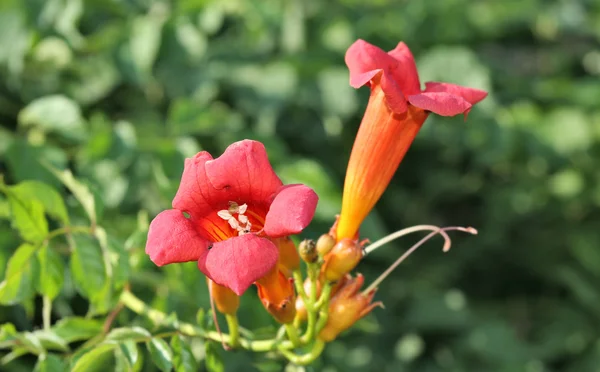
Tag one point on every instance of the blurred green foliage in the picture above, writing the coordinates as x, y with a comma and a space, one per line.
121, 91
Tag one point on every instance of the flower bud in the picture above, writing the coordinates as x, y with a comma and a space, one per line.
308, 251
325, 244
289, 260
344, 257
346, 307
226, 301
276, 292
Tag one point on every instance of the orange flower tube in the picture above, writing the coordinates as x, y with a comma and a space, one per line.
396, 111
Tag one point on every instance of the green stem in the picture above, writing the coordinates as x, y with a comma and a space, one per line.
69, 230
307, 358
292, 333
232, 325
46, 312
139, 307
310, 304
299, 283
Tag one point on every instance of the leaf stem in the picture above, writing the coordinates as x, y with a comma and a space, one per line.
292, 333
69, 230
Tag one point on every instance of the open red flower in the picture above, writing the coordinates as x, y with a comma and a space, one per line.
225, 211
396, 111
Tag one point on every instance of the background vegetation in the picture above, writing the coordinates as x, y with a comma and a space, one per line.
121, 91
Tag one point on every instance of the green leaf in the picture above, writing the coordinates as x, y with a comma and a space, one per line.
161, 353
183, 359
52, 272
87, 267
94, 358
21, 276
45, 194
31, 342
50, 363
8, 334
213, 360
77, 329
50, 340
128, 333
25, 160
27, 216
129, 350
54, 114
81, 191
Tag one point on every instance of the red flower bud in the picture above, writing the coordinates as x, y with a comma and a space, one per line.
344, 257
226, 301
276, 292
346, 307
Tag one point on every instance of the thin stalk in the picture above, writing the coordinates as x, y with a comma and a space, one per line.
233, 325
437, 230
140, 307
292, 333
46, 312
307, 358
410, 230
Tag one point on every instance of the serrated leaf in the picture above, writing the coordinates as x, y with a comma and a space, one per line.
77, 329
212, 360
45, 194
52, 272
50, 363
27, 217
54, 114
161, 353
21, 276
87, 267
129, 333
81, 191
93, 358
183, 359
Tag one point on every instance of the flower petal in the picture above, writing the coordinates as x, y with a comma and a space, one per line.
394, 97
364, 59
406, 74
172, 238
444, 104
195, 194
471, 95
243, 173
238, 262
291, 211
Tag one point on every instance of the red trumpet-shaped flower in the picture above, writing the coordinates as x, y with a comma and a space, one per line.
395, 113
225, 214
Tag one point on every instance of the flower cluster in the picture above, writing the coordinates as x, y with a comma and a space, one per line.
234, 216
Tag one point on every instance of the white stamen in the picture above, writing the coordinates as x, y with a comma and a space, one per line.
224, 214
234, 223
242, 208
242, 218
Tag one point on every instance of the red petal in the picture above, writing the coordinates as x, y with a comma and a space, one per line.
195, 194
444, 104
172, 238
243, 173
364, 59
471, 95
291, 211
394, 98
406, 74
238, 262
